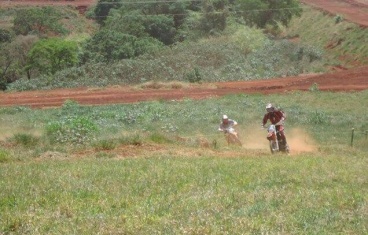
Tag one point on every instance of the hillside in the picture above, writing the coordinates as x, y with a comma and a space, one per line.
340, 80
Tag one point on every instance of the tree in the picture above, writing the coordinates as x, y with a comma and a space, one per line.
103, 8
264, 12
215, 13
5, 35
136, 23
51, 55
13, 58
109, 45
41, 21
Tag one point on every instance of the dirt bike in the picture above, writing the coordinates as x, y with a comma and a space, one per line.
276, 142
231, 136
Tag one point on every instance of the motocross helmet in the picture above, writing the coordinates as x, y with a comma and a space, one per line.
225, 119
270, 108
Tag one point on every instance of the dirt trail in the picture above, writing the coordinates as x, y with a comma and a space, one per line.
347, 80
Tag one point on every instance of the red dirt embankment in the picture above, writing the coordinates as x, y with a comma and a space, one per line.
355, 11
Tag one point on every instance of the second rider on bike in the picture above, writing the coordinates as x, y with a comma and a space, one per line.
277, 118
227, 126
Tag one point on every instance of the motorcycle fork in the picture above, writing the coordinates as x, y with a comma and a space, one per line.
275, 140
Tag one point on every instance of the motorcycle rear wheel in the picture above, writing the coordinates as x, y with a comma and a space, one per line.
233, 139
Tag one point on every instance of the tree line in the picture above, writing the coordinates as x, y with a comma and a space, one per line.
36, 42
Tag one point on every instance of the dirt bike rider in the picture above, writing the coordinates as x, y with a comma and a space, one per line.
226, 124
277, 118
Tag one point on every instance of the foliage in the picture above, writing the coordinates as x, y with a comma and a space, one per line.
25, 139
314, 87
160, 27
106, 144
249, 39
103, 8
338, 19
124, 52
51, 55
194, 76
159, 138
13, 58
131, 140
214, 16
344, 38
4, 156
217, 59
5, 35
42, 21
109, 45
264, 12
70, 129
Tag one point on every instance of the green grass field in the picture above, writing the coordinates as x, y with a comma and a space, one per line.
146, 168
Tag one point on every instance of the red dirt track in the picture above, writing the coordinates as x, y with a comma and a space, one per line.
340, 81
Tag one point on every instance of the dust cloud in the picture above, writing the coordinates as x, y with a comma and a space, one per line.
254, 138
299, 141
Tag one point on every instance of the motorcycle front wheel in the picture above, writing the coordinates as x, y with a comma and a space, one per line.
273, 147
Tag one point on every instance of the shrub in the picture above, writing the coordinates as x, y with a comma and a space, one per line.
4, 156
77, 130
51, 55
104, 145
338, 19
314, 87
26, 140
318, 117
159, 138
131, 140
194, 76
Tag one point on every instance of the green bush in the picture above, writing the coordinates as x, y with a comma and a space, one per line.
26, 140
4, 156
194, 76
104, 144
130, 140
338, 19
42, 21
159, 138
108, 45
314, 87
77, 130
51, 55
318, 118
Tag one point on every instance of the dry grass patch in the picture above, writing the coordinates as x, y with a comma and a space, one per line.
163, 85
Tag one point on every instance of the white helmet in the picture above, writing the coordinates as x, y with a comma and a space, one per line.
270, 108
224, 117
